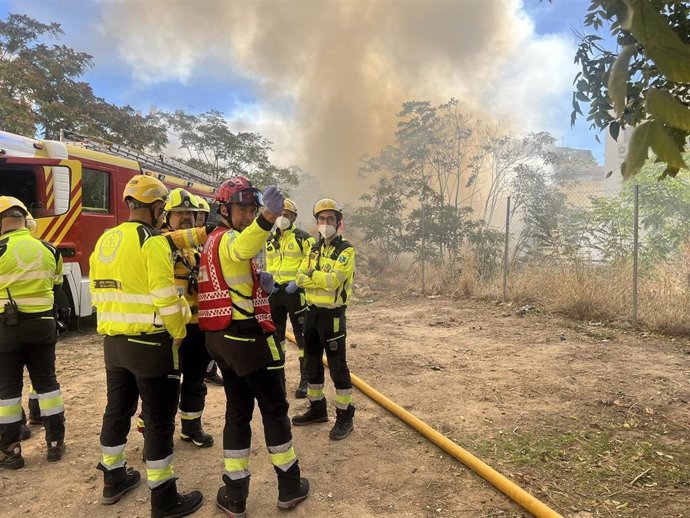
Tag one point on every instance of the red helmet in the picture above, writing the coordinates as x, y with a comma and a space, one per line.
239, 190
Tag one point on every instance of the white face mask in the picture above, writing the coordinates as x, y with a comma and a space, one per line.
326, 230
283, 223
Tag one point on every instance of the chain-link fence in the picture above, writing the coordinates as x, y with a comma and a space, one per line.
598, 254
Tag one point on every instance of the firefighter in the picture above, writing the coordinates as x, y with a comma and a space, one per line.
30, 273
204, 211
286, 248
326, 276
144, 322
234, 312
181, 211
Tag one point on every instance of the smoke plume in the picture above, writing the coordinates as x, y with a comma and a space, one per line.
331, 75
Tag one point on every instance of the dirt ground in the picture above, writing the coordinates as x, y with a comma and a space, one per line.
592, 420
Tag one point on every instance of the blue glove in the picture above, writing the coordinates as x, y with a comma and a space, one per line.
266, 281
274, 201
291, 287
275, 289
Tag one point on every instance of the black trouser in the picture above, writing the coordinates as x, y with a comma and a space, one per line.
146, 366
194, 360
266, 385
30, 344
326, 330
294, 305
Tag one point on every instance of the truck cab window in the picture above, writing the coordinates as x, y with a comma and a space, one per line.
96, 191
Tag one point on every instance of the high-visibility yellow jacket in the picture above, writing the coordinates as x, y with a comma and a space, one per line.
29, 269
285, 251
327, 273
186, 255
133, 285
236, 249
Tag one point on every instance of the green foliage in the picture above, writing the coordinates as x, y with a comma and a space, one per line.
664, 209
40, 90
647, 85
213, 147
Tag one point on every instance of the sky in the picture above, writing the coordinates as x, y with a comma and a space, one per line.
324, 79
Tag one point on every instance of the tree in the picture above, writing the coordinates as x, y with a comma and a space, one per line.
664, 213
550, 226
645, 85
212, 147
40, 90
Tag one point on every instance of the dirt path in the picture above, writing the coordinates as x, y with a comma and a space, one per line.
572, 413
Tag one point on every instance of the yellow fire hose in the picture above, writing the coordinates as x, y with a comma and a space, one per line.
500, 482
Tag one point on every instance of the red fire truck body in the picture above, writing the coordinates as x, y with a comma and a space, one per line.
74, 192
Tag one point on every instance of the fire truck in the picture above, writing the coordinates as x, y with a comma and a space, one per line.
73, 187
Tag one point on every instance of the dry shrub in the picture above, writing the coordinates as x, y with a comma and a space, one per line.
665, 298
469, 282
576, 290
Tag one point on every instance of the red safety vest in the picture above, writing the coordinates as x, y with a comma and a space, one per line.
215, 296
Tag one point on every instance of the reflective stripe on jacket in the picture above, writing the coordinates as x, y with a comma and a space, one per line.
330, 283
285, 251
133, 285
235, 253
29, 269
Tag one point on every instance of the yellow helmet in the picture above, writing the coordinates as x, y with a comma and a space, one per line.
10, 202
145, 189
328, 204
31, 224
181, 200
290, 205
203, 205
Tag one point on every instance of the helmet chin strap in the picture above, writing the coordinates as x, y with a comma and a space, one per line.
154, 219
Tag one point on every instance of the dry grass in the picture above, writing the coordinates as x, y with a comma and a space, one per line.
665, 298
577, 290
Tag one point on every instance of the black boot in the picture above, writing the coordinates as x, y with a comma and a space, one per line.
166, 502
343, 423
232, 497
25, 432
317, 413
301, 391
193, 432
56, 450
117, 482
292, 488
11, 457
213, 376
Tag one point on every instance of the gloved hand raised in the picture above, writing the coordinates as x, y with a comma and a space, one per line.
266, 281
274, 201
291, 287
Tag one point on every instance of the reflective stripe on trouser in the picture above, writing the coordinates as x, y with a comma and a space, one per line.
267, 388
10, 410
159, 471
315, 391
113, 457
283, 456
236, 463
51, 403
325, 331
343, 398
133, 371
190, 416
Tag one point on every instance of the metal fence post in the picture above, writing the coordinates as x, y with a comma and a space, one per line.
423, 250
635, 253
505, 254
